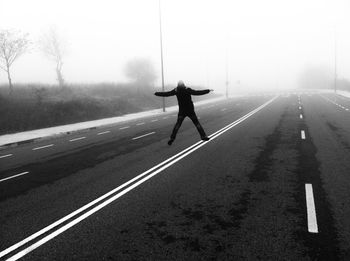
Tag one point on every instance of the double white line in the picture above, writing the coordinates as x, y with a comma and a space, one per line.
39, 238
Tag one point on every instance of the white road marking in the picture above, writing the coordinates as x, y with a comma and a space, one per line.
14, 176
311, 210
164, 118
43, 147
301, 116
303, 135
80, 138
5, 156
140, 123
154, 120
99, 205
123, 128
104, 132
147, 134
346, 109
299, 107
224, 109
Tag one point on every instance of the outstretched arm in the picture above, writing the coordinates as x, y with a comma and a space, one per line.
165, 94
201, 92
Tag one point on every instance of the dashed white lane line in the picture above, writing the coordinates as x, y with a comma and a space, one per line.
147, 134
43, 147
104, 132
301, 116
224, 109
14, 176
154, 120
5, 156
140, 123
303, 135
123, 128
299, 107
166, 117
311, 210
80, 138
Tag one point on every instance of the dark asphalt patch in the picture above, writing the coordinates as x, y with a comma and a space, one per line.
323, 245
264, 161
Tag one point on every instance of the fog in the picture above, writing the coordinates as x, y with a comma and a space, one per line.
262, 44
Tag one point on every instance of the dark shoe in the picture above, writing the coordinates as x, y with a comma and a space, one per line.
205, 138
170, 142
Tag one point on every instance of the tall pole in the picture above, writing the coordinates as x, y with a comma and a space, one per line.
335, 60
226, 65
161, 52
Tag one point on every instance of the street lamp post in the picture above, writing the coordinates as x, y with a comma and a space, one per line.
335, 60
161, 52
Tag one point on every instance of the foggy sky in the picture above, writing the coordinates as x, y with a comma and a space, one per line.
266, 43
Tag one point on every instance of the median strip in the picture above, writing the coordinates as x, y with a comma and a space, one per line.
44, 235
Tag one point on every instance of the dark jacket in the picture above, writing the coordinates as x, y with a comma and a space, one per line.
184, 99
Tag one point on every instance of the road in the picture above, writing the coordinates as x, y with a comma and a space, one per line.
273, 183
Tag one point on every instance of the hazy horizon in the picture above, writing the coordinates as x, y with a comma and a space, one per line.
266, 43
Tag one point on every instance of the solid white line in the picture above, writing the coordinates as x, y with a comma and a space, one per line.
43, 147
154, 120
141, 123
5, 156
80, 138
163, 165
311, 210
123, 128
139, 137
14, 176
104, 132
303, 135
301, 116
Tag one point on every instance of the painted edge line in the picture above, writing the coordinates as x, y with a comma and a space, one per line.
14, 176
311, 210
158, 168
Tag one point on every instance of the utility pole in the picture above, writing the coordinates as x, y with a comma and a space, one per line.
226, 67
161, 52
335, 60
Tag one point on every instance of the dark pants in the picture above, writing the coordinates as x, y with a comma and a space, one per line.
180, 119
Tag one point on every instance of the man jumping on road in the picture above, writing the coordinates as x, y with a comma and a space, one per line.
186, 108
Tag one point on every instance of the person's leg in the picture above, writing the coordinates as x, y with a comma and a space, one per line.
199, 127
180, 119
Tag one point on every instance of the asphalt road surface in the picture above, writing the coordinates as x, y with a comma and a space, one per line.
273, 183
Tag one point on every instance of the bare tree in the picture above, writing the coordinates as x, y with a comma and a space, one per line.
141, 71
54, 49
12, 45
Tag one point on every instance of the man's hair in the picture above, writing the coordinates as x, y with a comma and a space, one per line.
180, 84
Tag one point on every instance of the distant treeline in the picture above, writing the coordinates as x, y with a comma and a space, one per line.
35, 106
